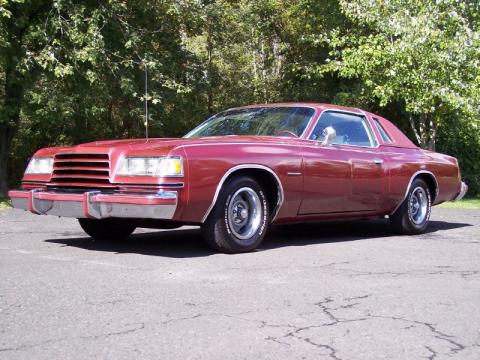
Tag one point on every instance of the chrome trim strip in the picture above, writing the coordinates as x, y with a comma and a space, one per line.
248, 166
82, 153
410, 184
294, 173
148, 186
313, 144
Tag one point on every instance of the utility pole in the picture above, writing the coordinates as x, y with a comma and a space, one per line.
146, 98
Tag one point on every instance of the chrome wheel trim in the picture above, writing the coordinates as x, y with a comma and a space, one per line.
244, 213
418, 205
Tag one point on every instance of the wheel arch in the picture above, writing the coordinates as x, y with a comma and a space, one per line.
431, 182
265, 176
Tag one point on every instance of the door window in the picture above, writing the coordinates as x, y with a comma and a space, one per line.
350, 129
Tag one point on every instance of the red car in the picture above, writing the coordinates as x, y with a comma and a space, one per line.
242, 170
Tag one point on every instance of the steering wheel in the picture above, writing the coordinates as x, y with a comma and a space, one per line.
285, 131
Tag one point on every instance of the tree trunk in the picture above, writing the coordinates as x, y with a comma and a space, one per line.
210, 74
10, 117
6, 137
9, 123
15, 82
424, 128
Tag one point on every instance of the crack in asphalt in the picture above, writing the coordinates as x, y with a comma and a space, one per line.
182, 319
455, 346
135, 327
272, 338
315, 322
433, 353
465, 274
332, 351
328, 306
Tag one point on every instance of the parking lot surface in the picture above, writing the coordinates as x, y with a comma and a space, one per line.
337, 290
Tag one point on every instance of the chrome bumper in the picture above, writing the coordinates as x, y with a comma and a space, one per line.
96, 205
463, 191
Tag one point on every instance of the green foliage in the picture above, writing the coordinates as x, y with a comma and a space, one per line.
4, 204
423, 54
460, 137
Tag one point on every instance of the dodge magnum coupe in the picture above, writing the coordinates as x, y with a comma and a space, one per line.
242, 170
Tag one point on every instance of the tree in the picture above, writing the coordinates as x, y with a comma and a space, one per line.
423, 54
96, 53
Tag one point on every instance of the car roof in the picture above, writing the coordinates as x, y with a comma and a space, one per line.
319, 106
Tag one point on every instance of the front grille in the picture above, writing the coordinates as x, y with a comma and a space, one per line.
81, 170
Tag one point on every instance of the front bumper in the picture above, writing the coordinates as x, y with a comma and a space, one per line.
463, 191
96, 205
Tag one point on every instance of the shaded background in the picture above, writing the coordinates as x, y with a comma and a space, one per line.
73, 71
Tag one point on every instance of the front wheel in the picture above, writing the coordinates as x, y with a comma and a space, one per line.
239, 220
413, 215
107, 229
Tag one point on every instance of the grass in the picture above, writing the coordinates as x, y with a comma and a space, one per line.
4, 203
471, 203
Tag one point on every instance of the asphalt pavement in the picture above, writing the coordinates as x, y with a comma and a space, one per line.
337, 290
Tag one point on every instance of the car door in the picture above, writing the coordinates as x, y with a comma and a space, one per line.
346, 175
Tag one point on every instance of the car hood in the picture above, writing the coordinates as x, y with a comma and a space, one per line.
160, 145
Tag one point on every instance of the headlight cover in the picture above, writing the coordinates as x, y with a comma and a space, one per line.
161, 166
40, 165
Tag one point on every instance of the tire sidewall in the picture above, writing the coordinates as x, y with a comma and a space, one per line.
223, 224
413, 227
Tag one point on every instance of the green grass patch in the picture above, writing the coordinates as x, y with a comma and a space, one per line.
472, 203
4, 203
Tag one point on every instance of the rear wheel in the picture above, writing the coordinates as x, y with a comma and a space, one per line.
413, 215
107, 229
238, 222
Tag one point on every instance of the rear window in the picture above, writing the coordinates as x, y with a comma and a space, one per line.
385, 137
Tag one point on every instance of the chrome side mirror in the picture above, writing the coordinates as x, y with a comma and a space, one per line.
329, 134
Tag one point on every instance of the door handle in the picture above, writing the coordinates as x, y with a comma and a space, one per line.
378, 161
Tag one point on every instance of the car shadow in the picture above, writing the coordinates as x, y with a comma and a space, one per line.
187, 242
341, 231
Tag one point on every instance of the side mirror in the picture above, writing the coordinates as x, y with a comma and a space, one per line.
329, 134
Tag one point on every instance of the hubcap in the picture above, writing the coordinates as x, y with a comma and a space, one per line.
418, 205
244, 213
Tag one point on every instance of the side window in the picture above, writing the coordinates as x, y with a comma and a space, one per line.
386, 139
350, 129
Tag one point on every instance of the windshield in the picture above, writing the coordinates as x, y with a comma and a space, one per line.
267, 121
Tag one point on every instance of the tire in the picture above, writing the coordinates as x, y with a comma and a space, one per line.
107, 229
413, 215
239, 220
